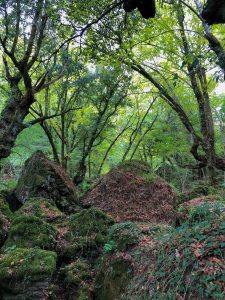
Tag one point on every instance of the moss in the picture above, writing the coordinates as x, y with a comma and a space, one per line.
113, 278
4, 208
5, 218
30, 231
122, 236
42, 208
27, 264
76, 272
87, 231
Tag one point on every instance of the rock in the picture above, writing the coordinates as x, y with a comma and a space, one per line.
26, 273
29, 231
84, 233
123, 236
5, 219
42, 177
115, 274
128, 252
44, 209
130, 192
77, 279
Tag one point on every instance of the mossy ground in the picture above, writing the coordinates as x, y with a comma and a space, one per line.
30, 231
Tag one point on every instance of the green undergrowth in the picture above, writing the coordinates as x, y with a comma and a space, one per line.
190, 262
29, 231
27, 264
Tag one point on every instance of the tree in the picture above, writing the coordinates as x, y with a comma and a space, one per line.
33, 35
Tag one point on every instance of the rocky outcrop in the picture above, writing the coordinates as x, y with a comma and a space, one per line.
42, 177
26, 273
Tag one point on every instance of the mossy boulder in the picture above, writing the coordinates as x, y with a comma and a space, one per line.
114, 276
44, 209
77, 278
26, 273
5, 218
123, 236
42, 177
29, 231
86, 232
4, 207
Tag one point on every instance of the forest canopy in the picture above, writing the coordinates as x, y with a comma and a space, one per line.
94, 83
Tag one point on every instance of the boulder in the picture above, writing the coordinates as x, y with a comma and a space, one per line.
44, 209
130, 192
77, 280
114, 277
128, 252
83, 233
42, 177
5, 218
29, 231
26, 273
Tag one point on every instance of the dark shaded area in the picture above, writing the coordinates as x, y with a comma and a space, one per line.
214, 12
146, 7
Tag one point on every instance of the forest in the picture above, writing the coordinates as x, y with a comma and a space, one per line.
112, 149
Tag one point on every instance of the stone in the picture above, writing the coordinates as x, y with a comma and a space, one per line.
26, 273
42, 177
84, 234
29, 232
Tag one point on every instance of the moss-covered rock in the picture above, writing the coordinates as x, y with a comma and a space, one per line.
5, 218
26, 273
42, 177
30, 231
41, 208
122, 236
77, 278
86, 232
4, 208
115, 273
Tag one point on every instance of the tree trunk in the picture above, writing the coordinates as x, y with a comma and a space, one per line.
11, 119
